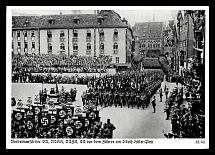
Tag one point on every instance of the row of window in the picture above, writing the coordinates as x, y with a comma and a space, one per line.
25, 33
75, 33
25, 45
152, 28
183, 44
151, 41
62, 46
25, 38
88, 52
150, 45
152, 35
75, 46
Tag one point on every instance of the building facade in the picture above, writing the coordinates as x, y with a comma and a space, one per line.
148, 37
198, 21
186, 42
102, 33
170, 42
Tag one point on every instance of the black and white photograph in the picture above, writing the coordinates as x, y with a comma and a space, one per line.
107, 77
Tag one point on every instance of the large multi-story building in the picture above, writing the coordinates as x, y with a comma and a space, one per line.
170, 43
148, 38
102, 33
186, 43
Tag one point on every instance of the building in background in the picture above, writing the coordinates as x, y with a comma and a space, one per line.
186, 42
101, 33
198, 26
170, 41
148, 37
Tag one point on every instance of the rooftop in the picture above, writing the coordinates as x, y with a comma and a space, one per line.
68, 21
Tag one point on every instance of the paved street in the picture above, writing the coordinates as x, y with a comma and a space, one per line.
130, 123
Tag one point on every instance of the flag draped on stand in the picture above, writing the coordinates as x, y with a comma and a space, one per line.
57, 91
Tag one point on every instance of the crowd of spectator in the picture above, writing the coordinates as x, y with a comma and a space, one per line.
187, 119
59, 63
49, 78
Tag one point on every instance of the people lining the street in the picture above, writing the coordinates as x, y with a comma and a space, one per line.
187, 119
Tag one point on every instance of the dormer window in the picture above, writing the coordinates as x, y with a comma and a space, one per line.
105, 12
26, 23
100, 20
76, 20
51, 21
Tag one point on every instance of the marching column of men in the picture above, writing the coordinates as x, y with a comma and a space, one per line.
129, 89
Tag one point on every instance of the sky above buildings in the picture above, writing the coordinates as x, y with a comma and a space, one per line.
132, 14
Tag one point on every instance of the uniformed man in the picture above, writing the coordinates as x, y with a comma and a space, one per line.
52, 91
137, 99
106, 98
75, 92
133, 96
111, 127
45, 94
115, 98
142, 100
166, 92
41, 96
101, 98
110, 99
13, 101
160, 92
83, 97
167, 110
105, 131
121, 99
154, 103
128, 98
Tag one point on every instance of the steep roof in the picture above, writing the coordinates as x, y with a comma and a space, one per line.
68, 21
19, 21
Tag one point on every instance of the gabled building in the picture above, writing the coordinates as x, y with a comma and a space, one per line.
148, 36
186, 43
102, 33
